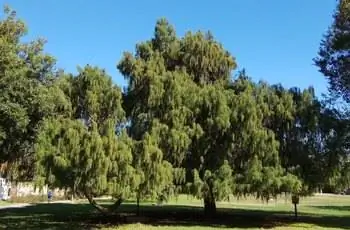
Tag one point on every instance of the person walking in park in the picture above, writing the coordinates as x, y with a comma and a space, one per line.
49, 196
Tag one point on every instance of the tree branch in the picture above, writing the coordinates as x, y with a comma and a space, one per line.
112, 209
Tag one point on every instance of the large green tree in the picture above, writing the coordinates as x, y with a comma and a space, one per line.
258, 144
27, 95
333, 61
213, 127
334, 127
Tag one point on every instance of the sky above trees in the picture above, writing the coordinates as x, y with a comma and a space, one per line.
274, 40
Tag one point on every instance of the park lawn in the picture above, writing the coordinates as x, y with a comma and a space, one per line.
2, 203
318, 212
148, 227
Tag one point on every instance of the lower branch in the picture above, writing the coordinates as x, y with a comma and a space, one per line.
116, 204
112, 209
99, 208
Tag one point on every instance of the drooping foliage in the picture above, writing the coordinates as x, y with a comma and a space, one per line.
183, 124
212, 126
82, 151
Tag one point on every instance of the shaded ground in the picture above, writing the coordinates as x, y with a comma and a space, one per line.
337, 208
9, 205
83, 216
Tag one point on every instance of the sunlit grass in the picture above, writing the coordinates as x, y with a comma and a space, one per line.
318, 206
3, 202
317, 212
148, 227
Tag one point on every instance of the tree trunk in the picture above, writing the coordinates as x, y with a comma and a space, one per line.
138, 205
209, 206
14, 190
209, 201
285, 198
72, 193
97, 206
116, 205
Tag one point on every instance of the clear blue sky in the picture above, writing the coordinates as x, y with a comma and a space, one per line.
274, 40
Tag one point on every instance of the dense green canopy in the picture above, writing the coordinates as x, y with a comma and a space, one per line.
26, 95
333, 62
183, 124
80, 150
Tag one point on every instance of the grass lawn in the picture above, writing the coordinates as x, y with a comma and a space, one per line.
148, 227
317, 212
2, 203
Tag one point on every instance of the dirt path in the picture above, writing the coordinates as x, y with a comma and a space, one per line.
23, 205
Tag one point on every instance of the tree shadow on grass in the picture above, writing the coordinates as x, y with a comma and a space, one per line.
335, 208
176, 215
45, 216
83, 216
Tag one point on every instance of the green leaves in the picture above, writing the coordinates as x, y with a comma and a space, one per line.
78, 149
182, 123
333, 55
95, 98
25, 72
183, 105
224, 183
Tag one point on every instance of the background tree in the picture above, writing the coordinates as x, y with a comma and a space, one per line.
335, 153
333, 57
294, 118
27, 95
156, 173
82, 152
333, 61
259, 161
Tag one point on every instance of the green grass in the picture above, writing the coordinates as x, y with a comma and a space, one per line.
34, 199
3, 203
147, 227
318, 212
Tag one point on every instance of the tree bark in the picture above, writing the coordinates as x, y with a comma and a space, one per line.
209, 206
116, 205
209, 203
99, 208
285, 198
14, 189
72, 191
